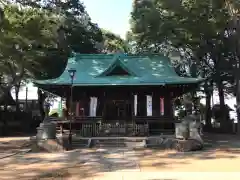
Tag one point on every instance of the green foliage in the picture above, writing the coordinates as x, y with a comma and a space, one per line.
79, 33
36, 42
192, 27
113, 43
26, 34
217, 112
36, 39
199, 30
204, 32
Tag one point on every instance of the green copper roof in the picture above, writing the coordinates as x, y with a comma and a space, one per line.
95, 70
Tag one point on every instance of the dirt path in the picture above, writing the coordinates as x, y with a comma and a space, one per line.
151, 164
13, 145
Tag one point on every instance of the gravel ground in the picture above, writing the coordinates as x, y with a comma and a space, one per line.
221, 155
13, 145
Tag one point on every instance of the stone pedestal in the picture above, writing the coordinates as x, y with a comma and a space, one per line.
187, 133
194, 131
181, 130
188, 145
46, 130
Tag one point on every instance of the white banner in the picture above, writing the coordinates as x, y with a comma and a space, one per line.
135, 105
149, 105
93, 106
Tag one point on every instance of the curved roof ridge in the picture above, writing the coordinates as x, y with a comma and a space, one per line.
125, 54
92, 55
117, 61
149, 69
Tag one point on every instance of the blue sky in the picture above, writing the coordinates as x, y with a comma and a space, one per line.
112, 15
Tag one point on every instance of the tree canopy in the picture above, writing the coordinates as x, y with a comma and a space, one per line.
37, 38
113, 43
199, 33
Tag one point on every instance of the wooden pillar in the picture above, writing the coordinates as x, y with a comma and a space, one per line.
168, 109
142, 104
132, 106
171, 106
166, 105
156, 104
104, 105
85, 104
77, 109
171, 109
81, 107
100, 105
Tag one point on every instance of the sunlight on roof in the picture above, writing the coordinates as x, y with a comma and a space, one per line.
157, 75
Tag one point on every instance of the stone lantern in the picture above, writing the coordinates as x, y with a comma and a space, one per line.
46, 129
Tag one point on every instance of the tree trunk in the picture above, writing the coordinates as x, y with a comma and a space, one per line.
238, 103
221, 95
41, 98
208, 111
234, 43
223, 119
17, 88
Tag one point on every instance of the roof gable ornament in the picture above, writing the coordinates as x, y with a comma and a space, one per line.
117, 68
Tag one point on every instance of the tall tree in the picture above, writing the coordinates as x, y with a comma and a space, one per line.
26, 35
113, 43
64, 27
233, 42
181, 25
77, 32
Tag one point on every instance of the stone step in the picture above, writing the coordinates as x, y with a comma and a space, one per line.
79, 143
163, 143
112, 140
119, 143
176, 144
109, 143
134, 140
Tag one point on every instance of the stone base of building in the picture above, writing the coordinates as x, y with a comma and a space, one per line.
174, 144
61, 143
159, 142
47, 145
188, 145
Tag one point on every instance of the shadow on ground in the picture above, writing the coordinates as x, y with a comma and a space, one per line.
87, 163
219, 149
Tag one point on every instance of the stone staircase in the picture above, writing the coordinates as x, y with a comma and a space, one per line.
108, 142
80, 143
112, 143
135, 142
160, 142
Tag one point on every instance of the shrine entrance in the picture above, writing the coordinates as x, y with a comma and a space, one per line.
118, 110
